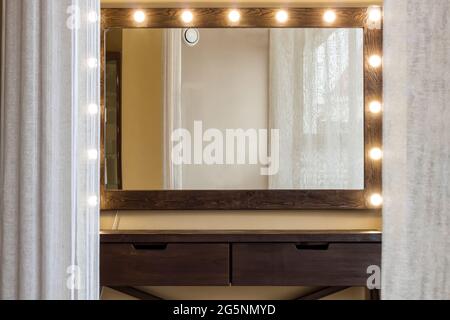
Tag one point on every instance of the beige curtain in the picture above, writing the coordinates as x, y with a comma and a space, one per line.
416, 178
49, 150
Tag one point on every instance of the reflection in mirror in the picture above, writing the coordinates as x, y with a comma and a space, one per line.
221, 109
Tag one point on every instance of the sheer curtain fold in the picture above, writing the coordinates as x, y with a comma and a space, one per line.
416, 167
48, 233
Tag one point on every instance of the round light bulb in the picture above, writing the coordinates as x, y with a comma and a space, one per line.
376, 154
92, 63
187, 16
139, 16
375, 107
375, 14
93, 201
329, 16
92, 17
93, 108
234, 16
375, 61
282, 16
376, 200
92, 154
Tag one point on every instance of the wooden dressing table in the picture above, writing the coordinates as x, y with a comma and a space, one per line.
333, 260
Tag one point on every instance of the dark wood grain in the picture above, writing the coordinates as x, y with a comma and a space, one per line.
136, 293
178, 264
279, 264
229, 236
254, 199
322, 293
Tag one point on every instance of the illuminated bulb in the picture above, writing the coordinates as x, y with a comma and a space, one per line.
329, 16
139, 16
375, 14
92, 16
281, 16
187, 16
92, 63
375, 107
376, 200
375, 61
93, 108
376, 154
234, 16
93, 201
92, 154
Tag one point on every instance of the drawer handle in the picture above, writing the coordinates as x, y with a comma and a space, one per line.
313, 246
150, 247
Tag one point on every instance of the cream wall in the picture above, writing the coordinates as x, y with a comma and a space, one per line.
142, 119
325, 220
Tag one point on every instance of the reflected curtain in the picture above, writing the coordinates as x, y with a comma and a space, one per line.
316, 100
416, 167
49, 150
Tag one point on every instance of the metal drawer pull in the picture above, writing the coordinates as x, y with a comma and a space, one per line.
313, 246
152, 247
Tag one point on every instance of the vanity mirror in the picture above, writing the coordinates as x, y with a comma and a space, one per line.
241, 109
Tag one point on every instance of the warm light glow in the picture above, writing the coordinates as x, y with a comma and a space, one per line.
139, 16
187, 16
375, 61
92, 16
92, 63
93, 108
375, 14
282, 16
92, 154
376, 154
329, 16
234, 16
376, 200
93, 201
375, 107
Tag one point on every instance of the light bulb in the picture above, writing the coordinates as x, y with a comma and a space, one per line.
375, 107
329, 16
375, 14
92, 17
282, 16
375, 61
92, 63
376, 200
93, 108
234, 16
376, 154
139, 16
92, 154
93, 201
187, 16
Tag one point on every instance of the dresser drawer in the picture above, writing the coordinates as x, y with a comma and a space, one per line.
312, 264
174, 264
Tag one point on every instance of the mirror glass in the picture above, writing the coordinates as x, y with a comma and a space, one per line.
234, 109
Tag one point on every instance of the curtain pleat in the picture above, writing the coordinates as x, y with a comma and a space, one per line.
416, 166
48, 231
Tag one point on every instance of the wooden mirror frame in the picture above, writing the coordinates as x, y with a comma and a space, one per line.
255, 199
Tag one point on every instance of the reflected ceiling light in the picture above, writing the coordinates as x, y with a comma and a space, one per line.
329, 16
375, 61
376, 200
139, 16
282, 16
375, 14
234, 16
93, 108
187, 16
375, 107
376, 154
